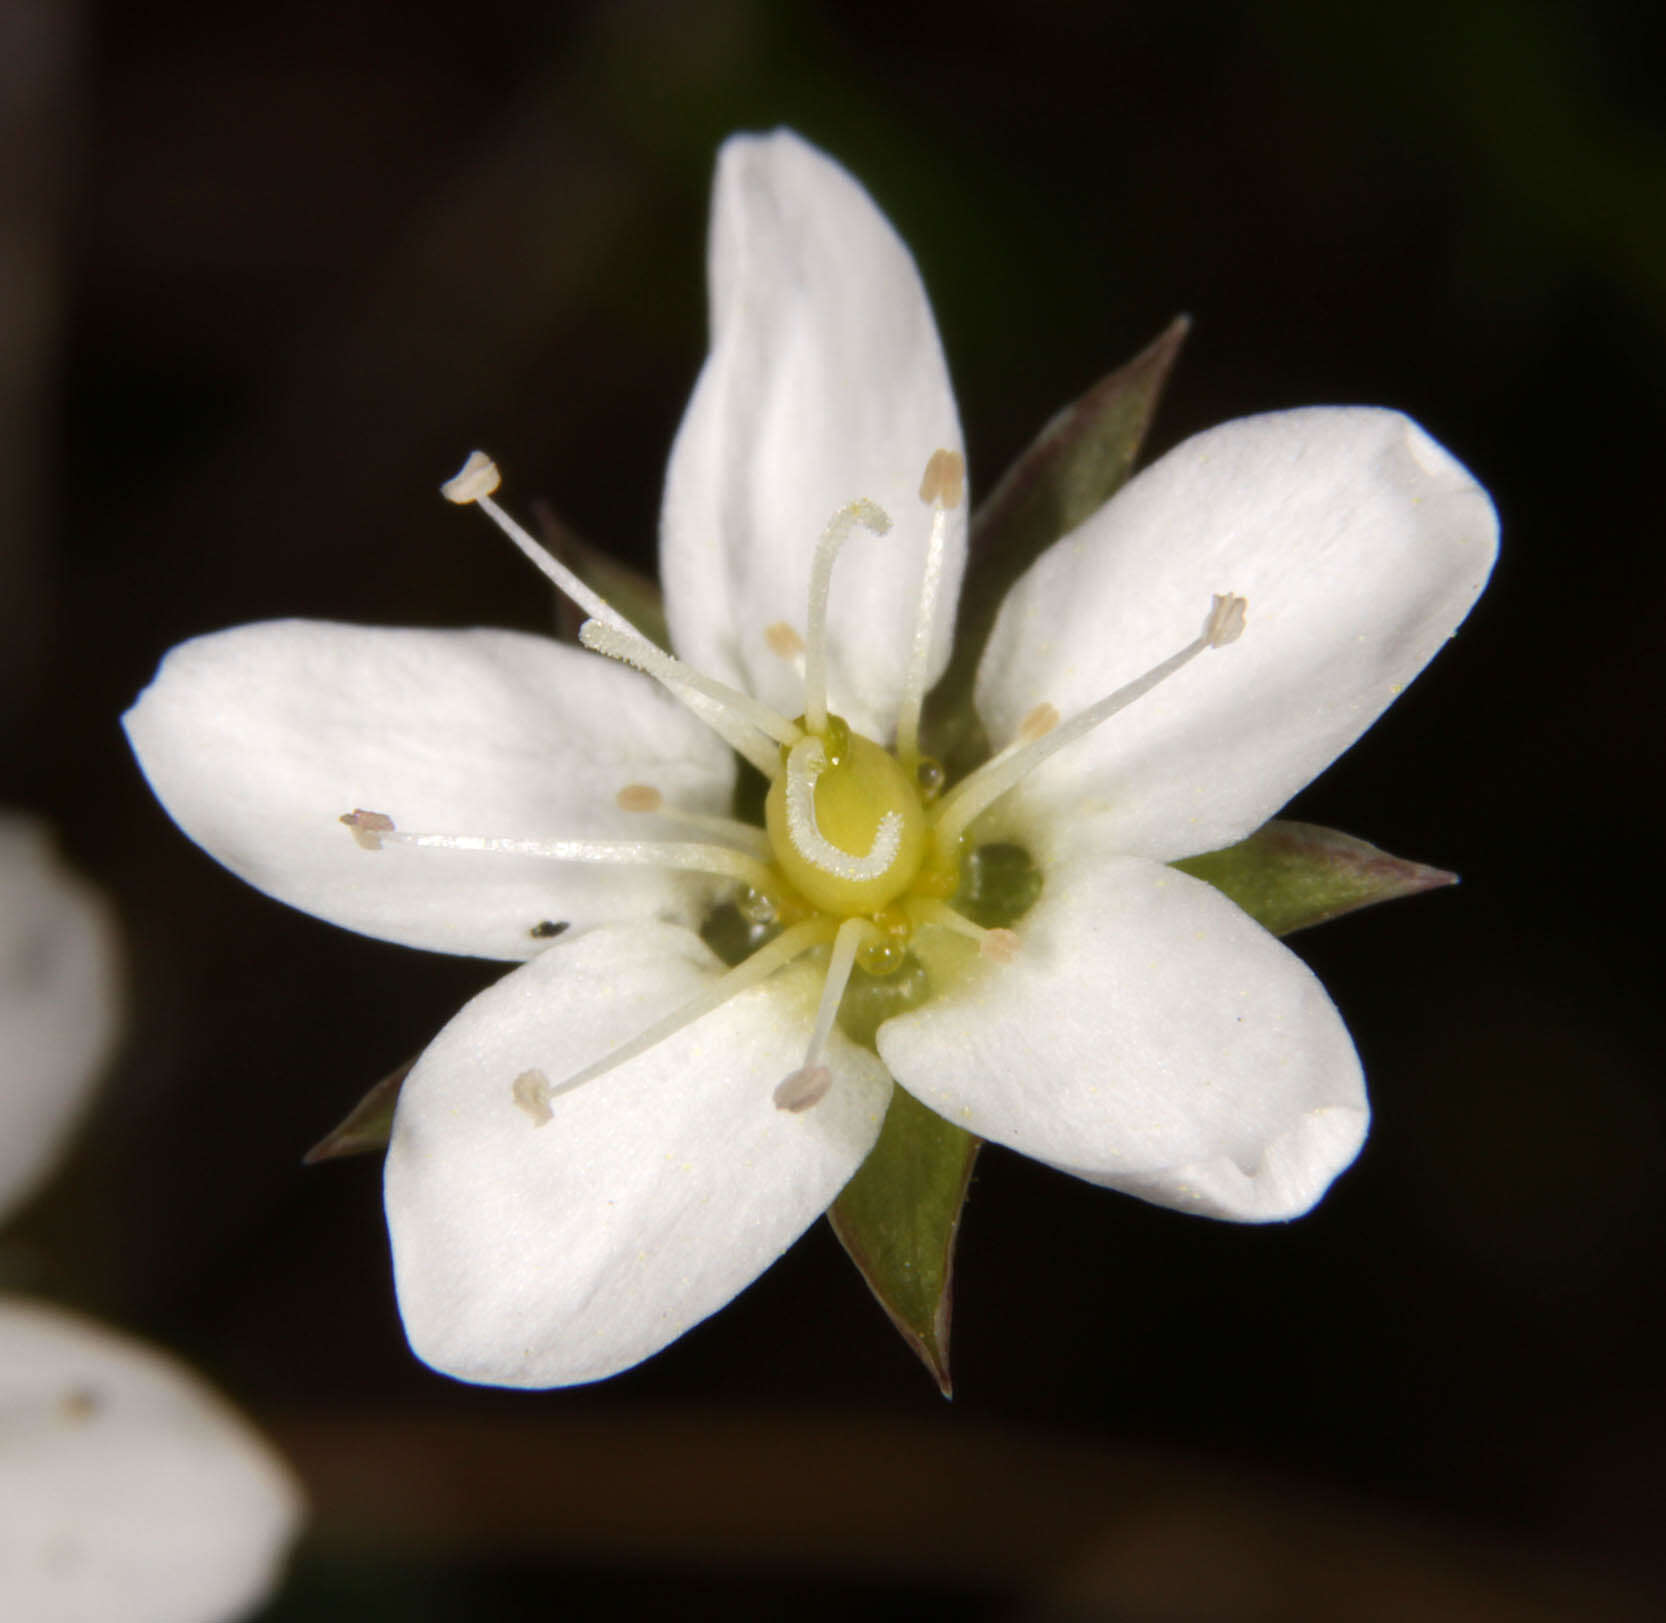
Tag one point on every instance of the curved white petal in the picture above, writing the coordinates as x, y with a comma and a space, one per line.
530, 1254
60, 1004
258, 739
1148, 1036
1360, 545
129, 1491
825, 383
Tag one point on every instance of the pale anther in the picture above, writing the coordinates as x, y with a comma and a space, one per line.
476, 478
639, 797
531, 1091
1226, 620
944, 481
999, 946
783, 641
368, 827
805, 1087
1038, 723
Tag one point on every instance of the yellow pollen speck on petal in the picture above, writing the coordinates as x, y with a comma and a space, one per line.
639, 797
476, 478
1038, 723
804, 1088
783, 641
368, 827
531, 1092
944, 481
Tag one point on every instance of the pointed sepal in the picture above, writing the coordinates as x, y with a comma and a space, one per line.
367, 1126
1078, 461
899, 1218
1288, 876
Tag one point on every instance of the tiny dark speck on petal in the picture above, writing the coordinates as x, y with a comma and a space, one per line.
547, 930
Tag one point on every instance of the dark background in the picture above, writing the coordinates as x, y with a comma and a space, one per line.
272, 269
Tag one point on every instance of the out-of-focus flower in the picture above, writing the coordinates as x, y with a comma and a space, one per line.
129, 1491
60, 1005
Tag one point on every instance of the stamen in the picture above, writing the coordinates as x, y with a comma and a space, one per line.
644, 797
808, 1085
806, 762
531, 1090
943, 486
790, 944
734, 716
368, 827
872, 518
475, 482
998, 946
690, 857
973, 795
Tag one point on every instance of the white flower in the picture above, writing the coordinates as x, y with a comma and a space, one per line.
129, 1491
59, 1005
616, 1138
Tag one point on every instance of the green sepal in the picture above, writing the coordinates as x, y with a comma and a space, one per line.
899, 1217
367, 1126
1288, 876
1075, 464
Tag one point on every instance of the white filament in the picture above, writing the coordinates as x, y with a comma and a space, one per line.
808, 1085
975, 794
790, 944
734, 717
690, 857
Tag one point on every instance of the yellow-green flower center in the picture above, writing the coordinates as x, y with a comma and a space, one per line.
862, 808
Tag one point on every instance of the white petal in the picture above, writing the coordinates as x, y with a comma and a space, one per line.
825, 383
1360, 545
530, 1254
1148, 1036
257, 740
60, 1004
129, 1491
